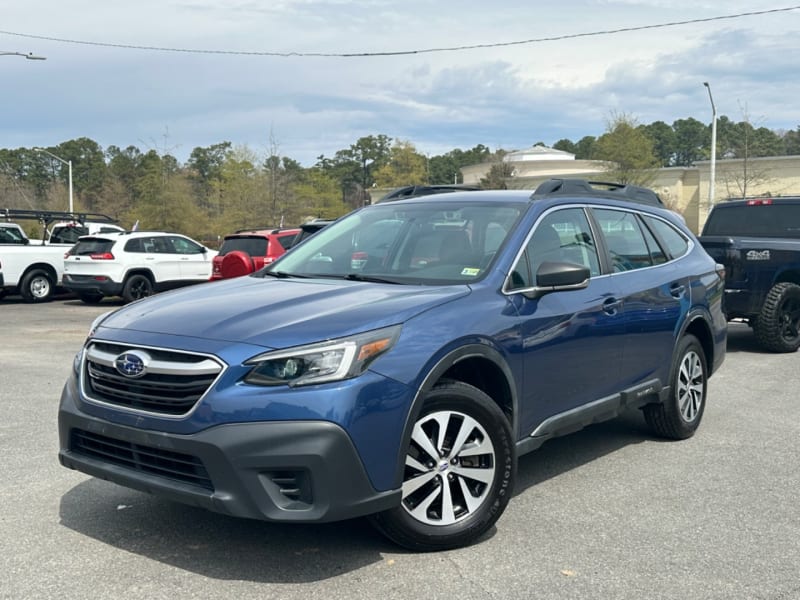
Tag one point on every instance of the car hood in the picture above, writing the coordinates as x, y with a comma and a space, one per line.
278, 313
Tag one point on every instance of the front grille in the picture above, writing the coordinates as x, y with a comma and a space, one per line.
145, 459
172, 383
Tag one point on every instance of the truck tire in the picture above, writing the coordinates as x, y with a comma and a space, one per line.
136, 287
777, 327
36, 286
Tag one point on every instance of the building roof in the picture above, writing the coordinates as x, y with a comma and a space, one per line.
538, 153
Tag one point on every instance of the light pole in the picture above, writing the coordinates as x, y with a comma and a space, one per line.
713, 147
69, 166
29, 55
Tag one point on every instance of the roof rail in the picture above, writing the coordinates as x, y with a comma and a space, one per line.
50, 216
603, 189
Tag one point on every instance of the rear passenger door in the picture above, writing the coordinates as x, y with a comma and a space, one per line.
655, 294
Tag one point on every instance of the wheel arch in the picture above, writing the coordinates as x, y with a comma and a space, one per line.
478, 365
787, 276
43, 266
139, 271
697, 325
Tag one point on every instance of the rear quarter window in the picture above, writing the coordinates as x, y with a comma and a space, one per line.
675, 242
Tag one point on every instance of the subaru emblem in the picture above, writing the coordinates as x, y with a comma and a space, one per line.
132, 363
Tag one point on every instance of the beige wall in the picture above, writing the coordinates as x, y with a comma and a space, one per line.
683, 189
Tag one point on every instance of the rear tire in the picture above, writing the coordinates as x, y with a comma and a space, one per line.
679, 416
137, 287
36, 286
777, 327
459, 473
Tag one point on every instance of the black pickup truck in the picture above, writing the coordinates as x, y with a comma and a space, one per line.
758, 242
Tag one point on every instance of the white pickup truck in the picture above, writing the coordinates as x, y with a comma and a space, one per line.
33, 269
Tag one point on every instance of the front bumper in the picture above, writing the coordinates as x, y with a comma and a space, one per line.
301, 471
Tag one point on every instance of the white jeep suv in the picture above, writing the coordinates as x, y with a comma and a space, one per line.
134, 264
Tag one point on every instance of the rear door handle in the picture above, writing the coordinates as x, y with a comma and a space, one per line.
677, 290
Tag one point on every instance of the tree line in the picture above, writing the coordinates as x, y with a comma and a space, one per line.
222, 187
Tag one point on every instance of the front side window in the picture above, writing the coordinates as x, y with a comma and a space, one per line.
561, 236
182, 245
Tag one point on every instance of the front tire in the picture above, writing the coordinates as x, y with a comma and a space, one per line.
137, 287
36, 286
679, 416
777, 327
460, 467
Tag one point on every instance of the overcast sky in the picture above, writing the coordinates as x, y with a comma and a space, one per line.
219, 76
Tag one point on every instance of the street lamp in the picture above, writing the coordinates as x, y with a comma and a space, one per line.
69, 165
29, 55
713, 147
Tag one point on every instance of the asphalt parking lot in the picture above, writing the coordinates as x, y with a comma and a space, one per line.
606, 513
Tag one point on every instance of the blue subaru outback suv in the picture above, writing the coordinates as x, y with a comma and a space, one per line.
397, 363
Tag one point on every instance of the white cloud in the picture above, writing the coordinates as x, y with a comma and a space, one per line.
509, 96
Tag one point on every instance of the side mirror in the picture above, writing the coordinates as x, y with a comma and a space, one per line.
558, 276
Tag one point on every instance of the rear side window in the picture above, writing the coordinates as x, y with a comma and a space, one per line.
758, 220
286, 240
88, 246
625, 240
253, 246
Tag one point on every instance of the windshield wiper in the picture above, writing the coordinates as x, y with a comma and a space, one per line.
284, 275
370, 278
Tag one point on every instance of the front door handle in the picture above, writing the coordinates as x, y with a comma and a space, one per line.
611, 306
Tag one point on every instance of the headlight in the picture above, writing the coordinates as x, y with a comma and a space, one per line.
326, 361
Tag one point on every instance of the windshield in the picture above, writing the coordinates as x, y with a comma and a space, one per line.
414, 243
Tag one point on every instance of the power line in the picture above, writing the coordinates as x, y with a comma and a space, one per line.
404, 52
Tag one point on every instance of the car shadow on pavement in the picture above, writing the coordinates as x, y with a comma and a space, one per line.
742, 339
562, 454
228, 548
215, 545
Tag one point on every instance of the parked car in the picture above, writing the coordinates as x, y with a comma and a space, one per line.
249, 250
308, 229
134, 264
758, 241
415, 191
13, 233
68, 232
406, 385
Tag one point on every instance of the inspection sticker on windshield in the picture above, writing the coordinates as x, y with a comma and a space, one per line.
470, 271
